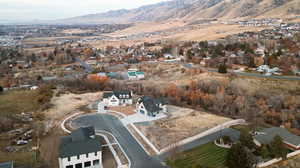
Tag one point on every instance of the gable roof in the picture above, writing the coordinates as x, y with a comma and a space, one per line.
268, 134
118, 94
79, 142
151, 104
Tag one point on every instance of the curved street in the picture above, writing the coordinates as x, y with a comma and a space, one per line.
138, 157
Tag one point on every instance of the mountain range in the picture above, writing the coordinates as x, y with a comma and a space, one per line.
191, 10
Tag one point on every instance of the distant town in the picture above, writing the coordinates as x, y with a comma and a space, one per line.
96, 96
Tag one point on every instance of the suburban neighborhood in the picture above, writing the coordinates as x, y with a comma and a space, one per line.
137, 84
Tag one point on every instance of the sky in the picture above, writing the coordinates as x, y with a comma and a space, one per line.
28, 10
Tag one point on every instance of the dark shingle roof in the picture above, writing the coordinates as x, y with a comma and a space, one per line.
118, 94
268, 134
79, 142
151, 104
6, 165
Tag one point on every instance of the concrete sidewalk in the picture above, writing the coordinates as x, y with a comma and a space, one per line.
137, 117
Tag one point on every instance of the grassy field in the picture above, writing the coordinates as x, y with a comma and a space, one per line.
24, 159
14, 102
208, 155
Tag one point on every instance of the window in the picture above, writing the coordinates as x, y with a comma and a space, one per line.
70, 166
87, 164
79, 165
96, 153
78, 157
87, 155
69, 159
96, 162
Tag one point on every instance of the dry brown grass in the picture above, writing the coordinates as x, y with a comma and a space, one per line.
67, 104
170, 130
127, 110
14, 102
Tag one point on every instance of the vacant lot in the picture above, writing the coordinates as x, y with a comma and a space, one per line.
67, 104
127, 110
15, 102
181, 123
208, 155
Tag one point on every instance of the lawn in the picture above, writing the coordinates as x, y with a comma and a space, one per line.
19, 101
14, 102
208, 155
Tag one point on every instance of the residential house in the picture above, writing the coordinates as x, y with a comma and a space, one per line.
150, 106
134, 74
7, 165
117, 98
269, 71
267, 135
80, 150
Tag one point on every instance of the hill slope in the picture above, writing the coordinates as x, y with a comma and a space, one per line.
193, 10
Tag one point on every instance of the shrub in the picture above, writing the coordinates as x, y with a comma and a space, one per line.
222, 68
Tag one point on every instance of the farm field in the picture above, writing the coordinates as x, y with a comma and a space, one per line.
208, 155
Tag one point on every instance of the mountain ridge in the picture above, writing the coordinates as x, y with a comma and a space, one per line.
192, 10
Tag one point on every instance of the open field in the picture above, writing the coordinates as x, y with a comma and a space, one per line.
16, 102
181, 123
175, 31
213, 32
20, 158
127, 110
208, 155
66, 104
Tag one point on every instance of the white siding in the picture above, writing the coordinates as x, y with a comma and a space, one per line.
64, 162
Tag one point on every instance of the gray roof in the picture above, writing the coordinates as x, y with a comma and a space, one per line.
118, 94
268, 134
151, 104
79, 142
232, 133
6, 165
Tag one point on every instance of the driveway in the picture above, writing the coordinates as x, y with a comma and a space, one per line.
138, 157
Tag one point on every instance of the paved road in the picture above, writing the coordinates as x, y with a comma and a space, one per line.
139, 158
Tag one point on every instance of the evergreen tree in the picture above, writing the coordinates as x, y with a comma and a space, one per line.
264, 152
240, 157
222, 68
1, 89
277, 148
246, 139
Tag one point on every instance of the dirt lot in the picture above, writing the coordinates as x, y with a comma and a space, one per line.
67, 104
127, 110
182, 123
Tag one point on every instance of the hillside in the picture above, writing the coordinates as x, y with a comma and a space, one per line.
191, 10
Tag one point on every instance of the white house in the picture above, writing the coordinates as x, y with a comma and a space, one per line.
80, 150
117, 98
269, 71
150, 106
